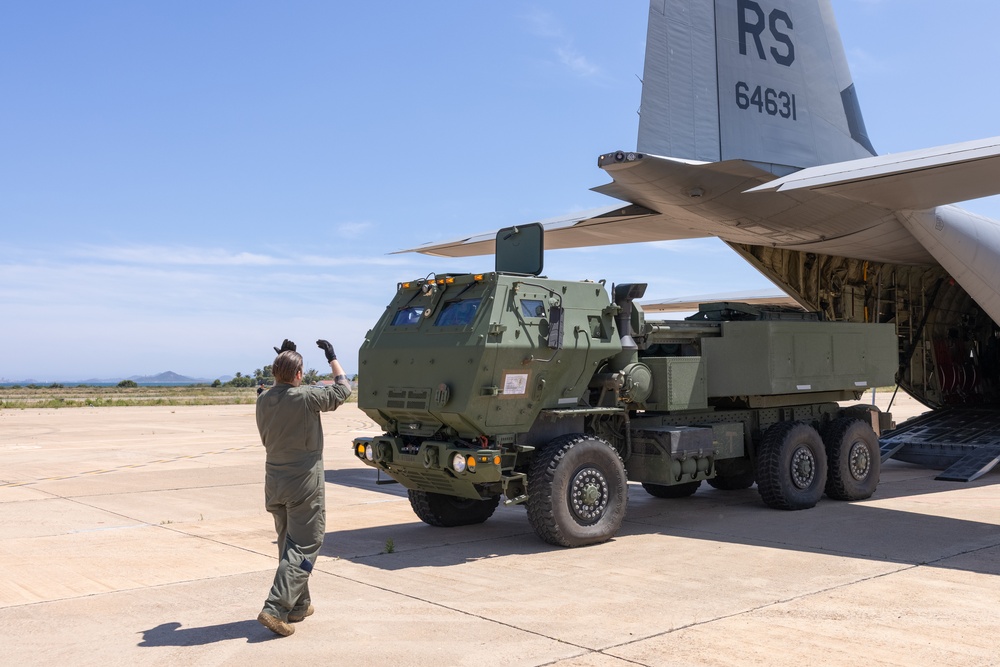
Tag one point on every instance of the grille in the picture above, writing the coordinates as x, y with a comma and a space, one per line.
433, 481
408, 399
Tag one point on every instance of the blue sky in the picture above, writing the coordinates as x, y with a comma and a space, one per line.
183, 184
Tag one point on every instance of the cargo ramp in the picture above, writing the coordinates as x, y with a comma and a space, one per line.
963, 442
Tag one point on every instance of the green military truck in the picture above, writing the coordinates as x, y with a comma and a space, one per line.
553, 394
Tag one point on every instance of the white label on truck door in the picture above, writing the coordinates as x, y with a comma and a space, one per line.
515, 384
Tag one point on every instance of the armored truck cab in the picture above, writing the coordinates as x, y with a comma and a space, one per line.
484, 353
555, 394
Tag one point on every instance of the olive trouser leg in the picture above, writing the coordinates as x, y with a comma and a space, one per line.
297, 503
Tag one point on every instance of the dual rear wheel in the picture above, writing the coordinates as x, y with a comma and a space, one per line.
796, 465
854, 459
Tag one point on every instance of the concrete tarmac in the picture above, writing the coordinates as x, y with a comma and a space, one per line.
137, 536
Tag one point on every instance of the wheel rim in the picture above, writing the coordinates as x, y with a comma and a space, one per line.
588, 495
803, 467
860, 460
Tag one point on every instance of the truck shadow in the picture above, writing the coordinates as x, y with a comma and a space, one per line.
412, 543
913, 531
364, 478
909, 536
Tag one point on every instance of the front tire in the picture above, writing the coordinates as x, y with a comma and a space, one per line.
577, 491
855, 459
791, 471
444, 511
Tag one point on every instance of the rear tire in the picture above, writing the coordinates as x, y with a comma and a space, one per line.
577, 491
672, 491
791, 470
855, 459
443, 511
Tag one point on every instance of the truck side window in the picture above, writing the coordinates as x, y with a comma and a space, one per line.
408, 317
458, 313
532, 308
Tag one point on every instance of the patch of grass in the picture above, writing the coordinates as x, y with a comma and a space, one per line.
105, 397
57, 396
390, 546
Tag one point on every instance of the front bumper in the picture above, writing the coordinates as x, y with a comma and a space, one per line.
431, 465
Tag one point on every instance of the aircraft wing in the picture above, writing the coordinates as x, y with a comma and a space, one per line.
674, 198
846, 209
913, 180
600, 226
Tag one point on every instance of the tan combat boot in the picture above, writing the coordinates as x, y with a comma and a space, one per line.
296, 616
275, 624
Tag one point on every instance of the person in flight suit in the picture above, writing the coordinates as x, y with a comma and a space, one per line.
290, 429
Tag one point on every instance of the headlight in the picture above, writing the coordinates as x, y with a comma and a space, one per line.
369, 453
458, 462
360, 449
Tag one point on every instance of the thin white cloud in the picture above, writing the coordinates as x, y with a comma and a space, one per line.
174, 255
154, 255
353, 230
341, 261
577, 62
544, 25
149, 318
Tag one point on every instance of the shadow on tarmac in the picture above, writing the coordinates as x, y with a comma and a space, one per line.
910, 535
833, 528
172, 634
364, 478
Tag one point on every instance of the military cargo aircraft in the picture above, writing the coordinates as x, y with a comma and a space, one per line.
750, 131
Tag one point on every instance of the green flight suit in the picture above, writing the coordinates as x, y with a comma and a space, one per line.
290, 429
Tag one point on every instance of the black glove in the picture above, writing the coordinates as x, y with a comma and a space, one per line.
286, 345
326, 347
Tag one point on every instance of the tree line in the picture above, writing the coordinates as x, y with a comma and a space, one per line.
264, 376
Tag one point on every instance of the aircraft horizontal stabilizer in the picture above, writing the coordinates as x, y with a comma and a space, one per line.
914, 180
599, 226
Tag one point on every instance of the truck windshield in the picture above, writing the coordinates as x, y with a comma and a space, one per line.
408, 316
458, 313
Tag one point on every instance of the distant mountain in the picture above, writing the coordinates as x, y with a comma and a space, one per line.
166, 377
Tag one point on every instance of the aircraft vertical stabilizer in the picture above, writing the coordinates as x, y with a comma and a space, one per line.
679, 111
749, 80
